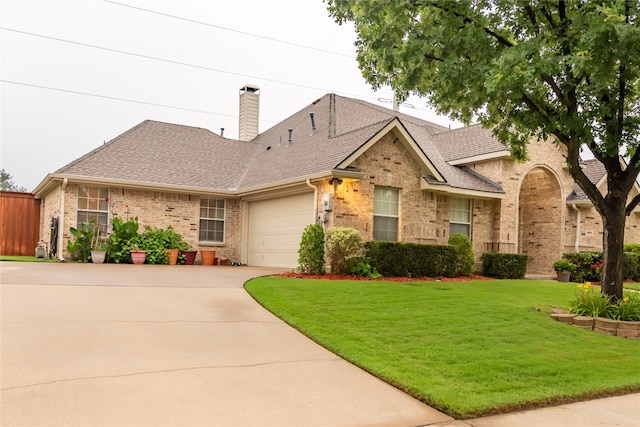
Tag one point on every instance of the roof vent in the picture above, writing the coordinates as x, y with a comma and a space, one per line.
221, 131
313, 123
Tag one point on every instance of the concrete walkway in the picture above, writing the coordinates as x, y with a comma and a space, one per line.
124, 345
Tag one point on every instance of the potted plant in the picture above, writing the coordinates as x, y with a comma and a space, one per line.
138, 254
564, 268
172, 244
187, 254
98, 244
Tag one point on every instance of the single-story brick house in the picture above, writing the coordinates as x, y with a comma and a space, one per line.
340, 162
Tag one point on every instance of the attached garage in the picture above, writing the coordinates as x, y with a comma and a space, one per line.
275, 228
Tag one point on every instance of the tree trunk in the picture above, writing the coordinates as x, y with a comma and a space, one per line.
613, 245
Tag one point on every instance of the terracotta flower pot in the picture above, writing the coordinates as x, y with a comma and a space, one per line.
172, 255
207, 256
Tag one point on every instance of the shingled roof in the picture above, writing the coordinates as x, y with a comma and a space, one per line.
157, 154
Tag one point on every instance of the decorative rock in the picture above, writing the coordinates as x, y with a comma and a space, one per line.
563, 317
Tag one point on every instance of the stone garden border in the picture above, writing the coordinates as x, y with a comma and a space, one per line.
619, 328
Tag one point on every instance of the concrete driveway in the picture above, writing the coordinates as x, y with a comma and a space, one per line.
125, 345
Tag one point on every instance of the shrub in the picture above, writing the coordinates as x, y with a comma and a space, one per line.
342, 244
120, 240
412, 259
153, 241
80, 247
588, 265
466, 259
504, 266
362, 267
628, 308
631, 266
311, 252
589, 301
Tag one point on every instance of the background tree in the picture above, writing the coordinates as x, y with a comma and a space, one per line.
526, 69
7, 184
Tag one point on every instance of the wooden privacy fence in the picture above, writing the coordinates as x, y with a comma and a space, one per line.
19, 223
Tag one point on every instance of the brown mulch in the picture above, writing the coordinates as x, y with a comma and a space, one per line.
386, 279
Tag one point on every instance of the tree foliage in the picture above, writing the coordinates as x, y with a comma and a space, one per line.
565, 70
7, 184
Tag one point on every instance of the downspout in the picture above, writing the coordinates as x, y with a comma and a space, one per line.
61, 221
577, 226
315, 201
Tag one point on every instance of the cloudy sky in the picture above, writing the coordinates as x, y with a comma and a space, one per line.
75, 74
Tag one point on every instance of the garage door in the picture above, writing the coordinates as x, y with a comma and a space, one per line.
275, 229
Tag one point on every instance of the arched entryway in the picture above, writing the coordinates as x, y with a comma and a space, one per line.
540, 208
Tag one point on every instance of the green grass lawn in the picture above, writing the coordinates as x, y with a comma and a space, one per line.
465, 348
25, 258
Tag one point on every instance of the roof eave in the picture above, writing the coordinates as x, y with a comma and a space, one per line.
503, 154
456, 191
140, 185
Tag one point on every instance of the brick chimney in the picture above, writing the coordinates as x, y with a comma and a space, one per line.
249, 112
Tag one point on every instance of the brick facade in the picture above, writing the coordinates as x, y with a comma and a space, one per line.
533, 218
153, 209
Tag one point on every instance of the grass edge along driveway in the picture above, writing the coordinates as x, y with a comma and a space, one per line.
465, 348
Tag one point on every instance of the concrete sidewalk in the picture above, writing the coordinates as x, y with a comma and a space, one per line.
124, 345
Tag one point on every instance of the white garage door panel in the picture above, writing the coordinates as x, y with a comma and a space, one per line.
275, 229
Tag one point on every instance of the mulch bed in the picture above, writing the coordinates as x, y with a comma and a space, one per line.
385, 279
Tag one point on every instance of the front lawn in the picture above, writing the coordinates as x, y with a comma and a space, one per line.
466, 348
21, 258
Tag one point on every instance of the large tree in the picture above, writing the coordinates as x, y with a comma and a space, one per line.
526, 69
7, 184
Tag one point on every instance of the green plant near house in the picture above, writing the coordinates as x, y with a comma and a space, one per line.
342, 244
120, 241
466, 259
361, 266
564, 265
80, 247
311, 251
153, 241
171, 239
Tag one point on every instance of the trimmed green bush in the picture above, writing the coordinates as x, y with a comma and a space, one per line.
395, 259
342, 244
466, 259
504, 266
311, 252
631, 266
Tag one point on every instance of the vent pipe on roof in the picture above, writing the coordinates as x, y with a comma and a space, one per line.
290, 136
313, 124
221, 131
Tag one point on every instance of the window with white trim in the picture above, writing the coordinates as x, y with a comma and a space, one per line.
212, 214
386, 201
460, 217
93, 205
